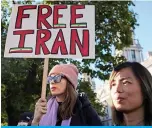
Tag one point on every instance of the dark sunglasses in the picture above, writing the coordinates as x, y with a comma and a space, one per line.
55, 79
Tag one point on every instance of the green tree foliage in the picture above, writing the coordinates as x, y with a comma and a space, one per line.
22, 78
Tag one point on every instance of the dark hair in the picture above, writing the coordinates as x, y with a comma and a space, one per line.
26, 117
66, 108
145, 79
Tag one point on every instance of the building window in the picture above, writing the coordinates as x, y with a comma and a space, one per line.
133, 54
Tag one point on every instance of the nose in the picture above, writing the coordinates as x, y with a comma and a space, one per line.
119, 87
52, 82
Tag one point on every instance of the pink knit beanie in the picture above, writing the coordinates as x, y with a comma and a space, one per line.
69, 70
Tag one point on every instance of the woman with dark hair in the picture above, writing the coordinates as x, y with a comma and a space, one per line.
65, 107
131, 93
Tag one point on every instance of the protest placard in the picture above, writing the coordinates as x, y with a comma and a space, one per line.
57, 31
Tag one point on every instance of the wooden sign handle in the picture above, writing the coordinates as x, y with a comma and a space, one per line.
45, 73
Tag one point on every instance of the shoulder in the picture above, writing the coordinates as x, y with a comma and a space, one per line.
83, 100
89, 112
85, 104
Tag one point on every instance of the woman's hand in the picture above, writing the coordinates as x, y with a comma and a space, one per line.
40, 110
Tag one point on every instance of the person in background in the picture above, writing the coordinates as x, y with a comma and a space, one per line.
131, 93
65, 107
25, 119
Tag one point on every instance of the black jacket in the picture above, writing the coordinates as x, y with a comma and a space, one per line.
84, 113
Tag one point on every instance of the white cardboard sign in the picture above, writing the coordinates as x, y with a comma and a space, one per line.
57, 31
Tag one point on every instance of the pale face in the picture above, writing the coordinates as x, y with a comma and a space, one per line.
22, 123
125, 91
59, 88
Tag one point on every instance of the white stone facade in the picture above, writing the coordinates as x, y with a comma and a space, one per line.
133, 53
148, 62
103, 94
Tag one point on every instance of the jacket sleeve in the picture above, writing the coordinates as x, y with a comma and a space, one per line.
92, 118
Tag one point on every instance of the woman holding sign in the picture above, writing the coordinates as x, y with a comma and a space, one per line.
131, 93
65, 107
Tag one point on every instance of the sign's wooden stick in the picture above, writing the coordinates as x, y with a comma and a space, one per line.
45, 73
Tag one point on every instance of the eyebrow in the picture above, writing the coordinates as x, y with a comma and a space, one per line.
124, 78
